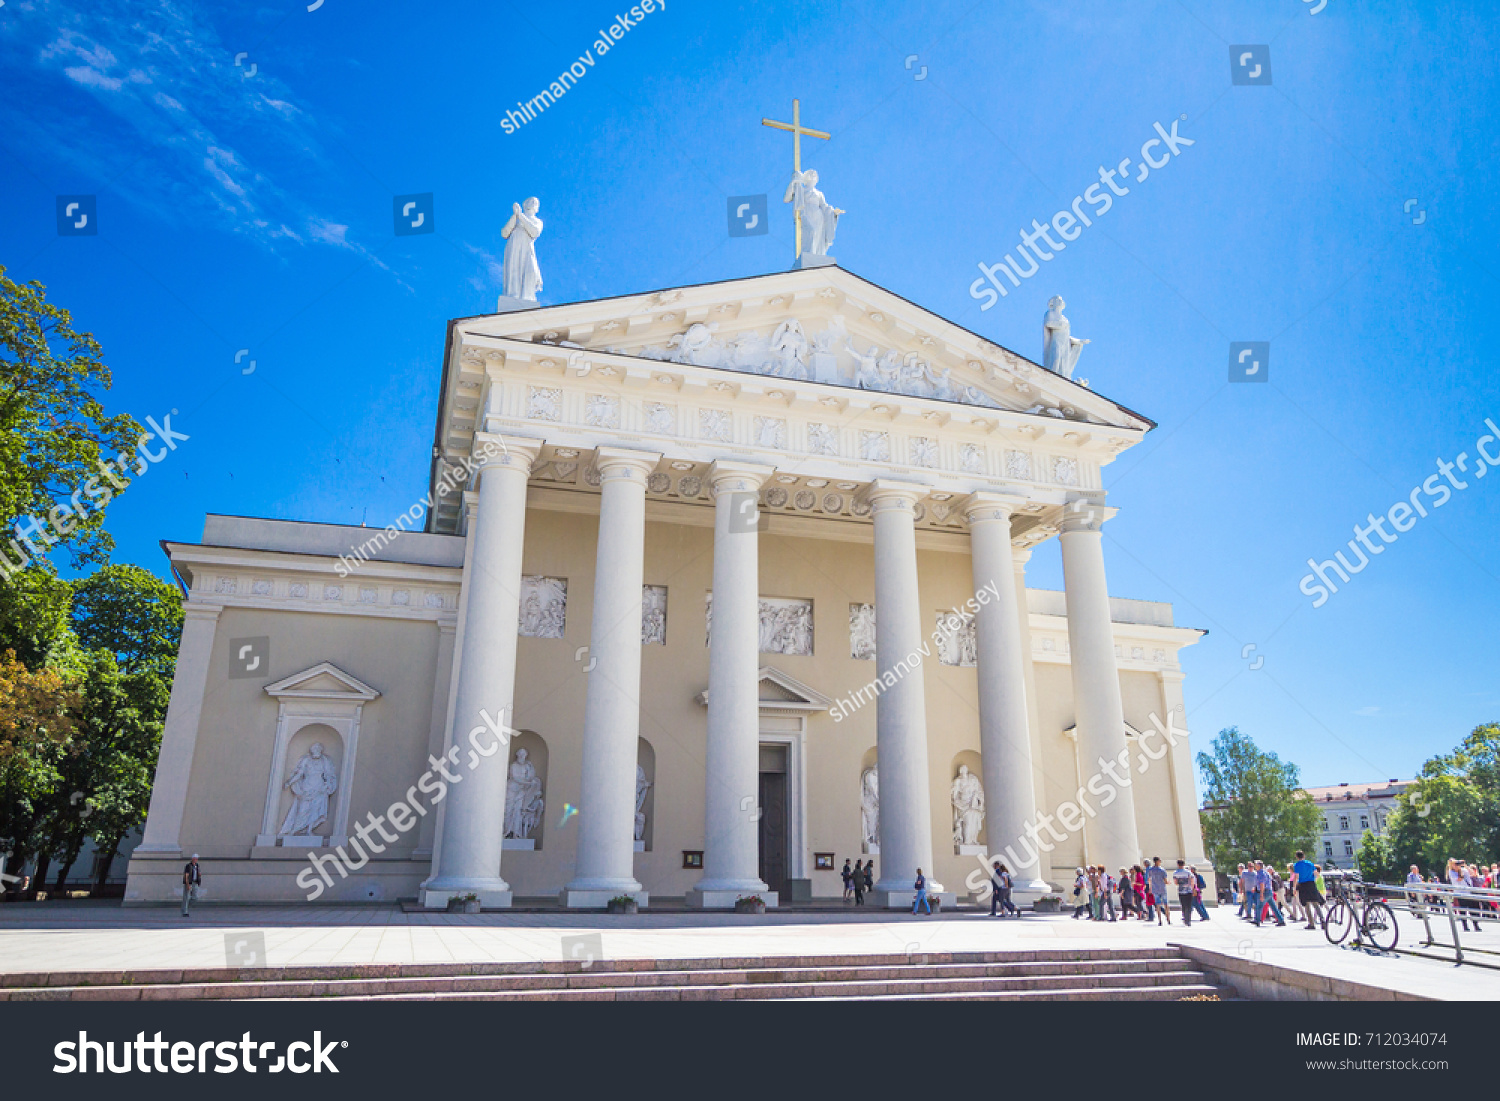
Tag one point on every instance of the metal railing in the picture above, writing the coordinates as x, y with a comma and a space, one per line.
1448, 906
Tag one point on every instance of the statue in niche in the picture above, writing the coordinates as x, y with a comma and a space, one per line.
522, 276
967, 797
642, 786
819, 220
523, 797
1060, 348
311, 783
869, 806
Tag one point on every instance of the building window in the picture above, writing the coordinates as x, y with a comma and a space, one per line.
1328, 848
1364, 821
1343, 821
1348, 847
1325, 825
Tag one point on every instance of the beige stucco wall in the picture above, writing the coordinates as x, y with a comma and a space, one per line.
398, 657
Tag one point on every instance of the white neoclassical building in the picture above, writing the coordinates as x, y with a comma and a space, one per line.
711, 589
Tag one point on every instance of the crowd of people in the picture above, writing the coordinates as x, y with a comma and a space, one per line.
1460, 873
858, 880
1144, 892
1260, 890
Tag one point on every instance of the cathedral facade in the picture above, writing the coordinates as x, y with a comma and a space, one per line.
710, 590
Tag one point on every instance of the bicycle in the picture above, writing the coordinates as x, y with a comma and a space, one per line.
1352, 911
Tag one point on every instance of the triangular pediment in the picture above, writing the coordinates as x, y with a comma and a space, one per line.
822, 325
324, 681
780, 692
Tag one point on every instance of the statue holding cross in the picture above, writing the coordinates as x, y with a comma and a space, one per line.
811, 209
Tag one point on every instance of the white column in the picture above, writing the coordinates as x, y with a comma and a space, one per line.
469, 840
1184, 792
174, 765
731, 806
612, 709
1097, 706
437, 730
901, 710
1004, 726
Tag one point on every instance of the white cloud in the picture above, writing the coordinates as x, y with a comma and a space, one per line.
1368, 711
235, 150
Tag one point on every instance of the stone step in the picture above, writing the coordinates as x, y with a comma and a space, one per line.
23, 980
1170, 985
593, 978
1091, 994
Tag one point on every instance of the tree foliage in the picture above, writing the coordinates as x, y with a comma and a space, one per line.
1259, 811
1452, 810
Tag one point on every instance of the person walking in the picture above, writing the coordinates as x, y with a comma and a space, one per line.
1184, 882
1096, 892
869, 876
1000, 886
857, 883
1156, 883
848, 881
1266, 895
1305, 872
1107, 884
921, 899
1127, 895
1080, 894
192, 879
1198, 887
1289, 894
1241, 885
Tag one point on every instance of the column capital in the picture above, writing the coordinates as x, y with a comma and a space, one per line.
209, 613
1084, 514
496, 451
984, 507
737, 477
625, 463
888, 493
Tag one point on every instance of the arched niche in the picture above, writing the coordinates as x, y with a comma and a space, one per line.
869, 832
535, 748
645, 802
969, 759
322, 704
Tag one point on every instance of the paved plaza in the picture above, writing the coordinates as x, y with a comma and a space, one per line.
86, 936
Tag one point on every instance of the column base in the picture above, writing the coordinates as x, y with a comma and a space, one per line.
711, 897
494, 893
576, 898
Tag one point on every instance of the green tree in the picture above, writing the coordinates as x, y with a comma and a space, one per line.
1451, 810
54, 438
1258, 810
104, 781
37, 721
133, 614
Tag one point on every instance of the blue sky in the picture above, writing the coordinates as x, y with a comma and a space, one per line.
239, 211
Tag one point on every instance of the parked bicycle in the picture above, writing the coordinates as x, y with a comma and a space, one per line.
1351, 910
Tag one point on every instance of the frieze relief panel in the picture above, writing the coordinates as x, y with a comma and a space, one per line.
544, 607
786, 626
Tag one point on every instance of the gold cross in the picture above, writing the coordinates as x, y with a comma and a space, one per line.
797, 130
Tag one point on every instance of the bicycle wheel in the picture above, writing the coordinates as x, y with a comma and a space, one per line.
1339, 923
1380, 926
